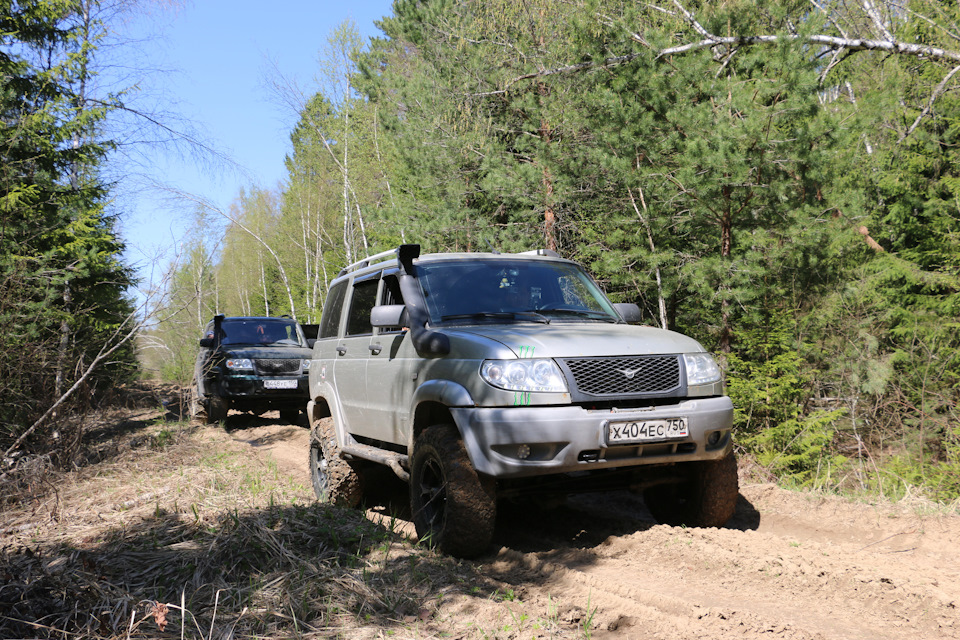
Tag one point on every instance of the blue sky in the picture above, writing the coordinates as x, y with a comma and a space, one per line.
221, 54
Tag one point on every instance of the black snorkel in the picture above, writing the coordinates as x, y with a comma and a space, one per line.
428, 343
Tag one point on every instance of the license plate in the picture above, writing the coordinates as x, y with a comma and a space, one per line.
279, 384
646, 430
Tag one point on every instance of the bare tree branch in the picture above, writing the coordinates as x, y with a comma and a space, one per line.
829, 18
126, 331
842, 45
940, 88
283, 274
871, 10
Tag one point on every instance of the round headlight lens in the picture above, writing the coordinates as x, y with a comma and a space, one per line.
539, 375
239, 363
516, 375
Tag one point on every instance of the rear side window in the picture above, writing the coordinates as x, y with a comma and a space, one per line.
361, 303
331, 311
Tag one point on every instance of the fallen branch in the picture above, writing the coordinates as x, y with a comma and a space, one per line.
104, 353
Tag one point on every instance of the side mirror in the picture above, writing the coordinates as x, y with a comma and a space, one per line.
387, 315
206, 343
311, 342
629, 311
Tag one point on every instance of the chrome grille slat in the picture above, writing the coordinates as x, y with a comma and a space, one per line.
632, 375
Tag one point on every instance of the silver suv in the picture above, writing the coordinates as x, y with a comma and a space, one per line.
481, 376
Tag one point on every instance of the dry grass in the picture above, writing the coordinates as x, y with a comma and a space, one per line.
179, 535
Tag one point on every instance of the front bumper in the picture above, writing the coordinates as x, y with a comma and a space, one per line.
516, 442
254, 388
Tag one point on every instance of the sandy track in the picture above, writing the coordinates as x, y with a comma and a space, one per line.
789, 565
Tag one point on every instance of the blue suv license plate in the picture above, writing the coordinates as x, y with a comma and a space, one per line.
638, 431
279, 384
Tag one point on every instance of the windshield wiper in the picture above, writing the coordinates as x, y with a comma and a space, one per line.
533, 316
583, 313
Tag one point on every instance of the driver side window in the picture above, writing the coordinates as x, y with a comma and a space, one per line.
361, 303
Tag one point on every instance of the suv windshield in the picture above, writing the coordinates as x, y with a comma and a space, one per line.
259, 331
511, 290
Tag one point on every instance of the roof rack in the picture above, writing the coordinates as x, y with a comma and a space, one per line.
360, 264
540, 252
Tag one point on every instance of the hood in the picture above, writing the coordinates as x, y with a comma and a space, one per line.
573, 340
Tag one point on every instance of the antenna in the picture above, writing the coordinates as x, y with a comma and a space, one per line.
490, 244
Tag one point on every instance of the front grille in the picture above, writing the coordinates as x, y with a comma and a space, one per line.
623, 376
277, 366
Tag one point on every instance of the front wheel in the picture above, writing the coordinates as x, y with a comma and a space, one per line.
196, 406
217, 408
454, 508
707, 498
334, 480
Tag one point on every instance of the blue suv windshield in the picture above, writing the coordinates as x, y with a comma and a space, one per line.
261, 331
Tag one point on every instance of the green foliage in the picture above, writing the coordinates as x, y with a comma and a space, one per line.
794, 210
771, 387
62, 285
937, 477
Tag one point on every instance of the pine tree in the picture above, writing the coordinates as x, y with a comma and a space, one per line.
62, 285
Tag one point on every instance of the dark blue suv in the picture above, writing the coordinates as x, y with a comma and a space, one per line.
252, 363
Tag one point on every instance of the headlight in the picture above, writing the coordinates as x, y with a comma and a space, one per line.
524, 375
701, 368
239, 363
306, 365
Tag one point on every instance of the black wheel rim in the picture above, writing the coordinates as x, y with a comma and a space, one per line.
433, 494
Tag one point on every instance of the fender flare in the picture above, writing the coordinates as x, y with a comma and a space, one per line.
442, 392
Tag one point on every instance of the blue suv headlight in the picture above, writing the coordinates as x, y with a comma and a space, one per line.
239, 363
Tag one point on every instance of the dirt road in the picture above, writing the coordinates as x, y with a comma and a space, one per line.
789, 565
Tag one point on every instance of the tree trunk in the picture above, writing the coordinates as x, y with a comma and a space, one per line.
661, 303
726, 250
549, 214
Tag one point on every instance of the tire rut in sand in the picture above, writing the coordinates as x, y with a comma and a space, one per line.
789, 566
804, 580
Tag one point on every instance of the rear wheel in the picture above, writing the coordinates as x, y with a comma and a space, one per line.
707, 498
334, 480
217, 408
453, 507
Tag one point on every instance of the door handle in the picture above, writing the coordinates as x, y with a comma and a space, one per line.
341, 350
375, 348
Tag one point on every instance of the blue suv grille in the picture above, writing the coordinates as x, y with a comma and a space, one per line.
277, 366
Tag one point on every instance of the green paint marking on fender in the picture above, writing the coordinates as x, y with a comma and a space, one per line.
521, 398
526, 351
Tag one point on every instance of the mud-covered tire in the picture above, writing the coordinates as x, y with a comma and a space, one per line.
335, 481
217, 408
453, 507
707, 499
195, 405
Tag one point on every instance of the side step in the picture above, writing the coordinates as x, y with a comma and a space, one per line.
396, 461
